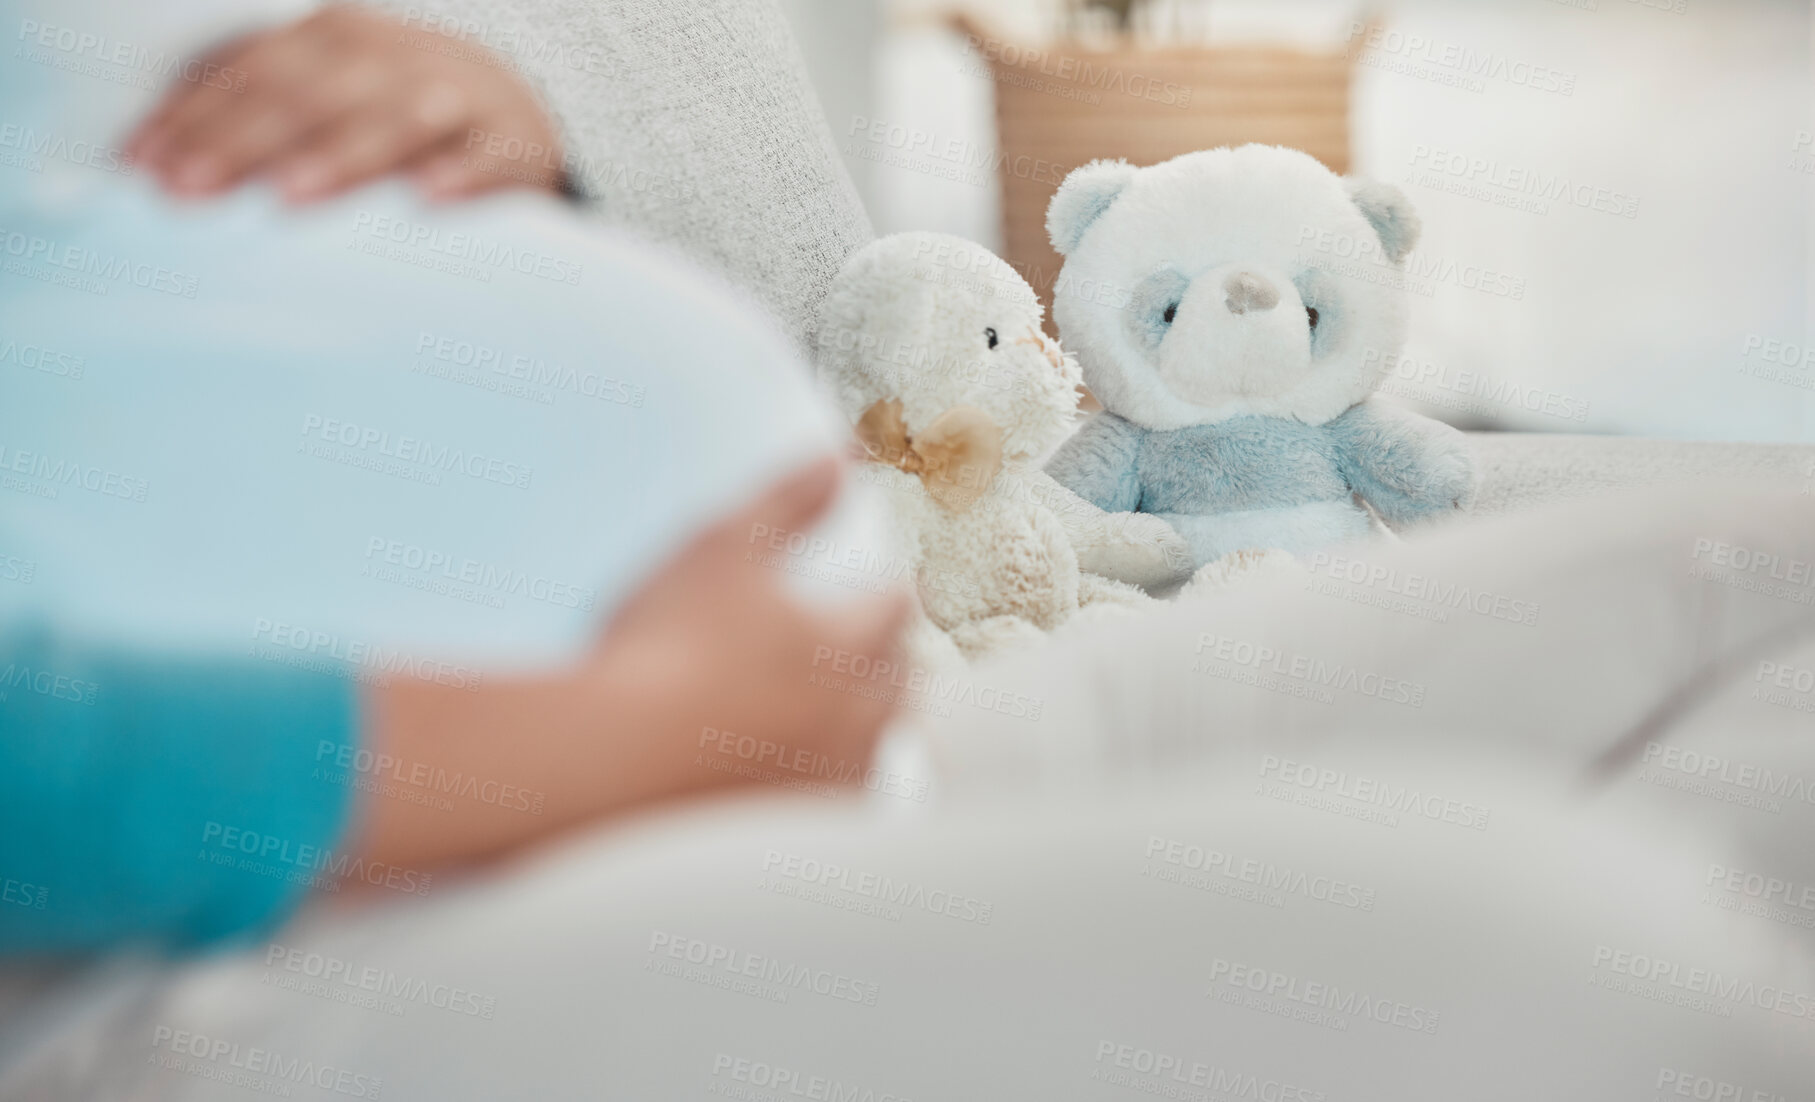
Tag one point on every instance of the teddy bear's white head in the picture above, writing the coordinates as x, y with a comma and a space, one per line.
1230, 282
938, 322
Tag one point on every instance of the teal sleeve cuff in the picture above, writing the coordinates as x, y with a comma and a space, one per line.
161, 802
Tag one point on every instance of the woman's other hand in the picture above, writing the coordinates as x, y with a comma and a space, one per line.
713, 675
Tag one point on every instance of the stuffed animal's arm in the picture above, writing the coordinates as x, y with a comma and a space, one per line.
1098, 463
1406, 466
1138, 548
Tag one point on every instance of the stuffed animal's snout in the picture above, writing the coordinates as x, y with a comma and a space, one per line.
1235, 334
1046, 345
1248, 292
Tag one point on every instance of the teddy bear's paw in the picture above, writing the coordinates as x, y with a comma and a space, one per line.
1138, 548
1451, 471
1096, 591
1239, 567
930, 648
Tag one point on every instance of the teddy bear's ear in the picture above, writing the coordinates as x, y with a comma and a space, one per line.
1391, 214
1082, 199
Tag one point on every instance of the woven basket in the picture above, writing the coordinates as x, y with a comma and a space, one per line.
1065, 105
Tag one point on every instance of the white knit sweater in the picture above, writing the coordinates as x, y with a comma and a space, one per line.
692, 122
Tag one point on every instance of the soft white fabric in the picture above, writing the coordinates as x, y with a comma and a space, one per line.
1522, 470
1559, 632
1365, 900
1494, 940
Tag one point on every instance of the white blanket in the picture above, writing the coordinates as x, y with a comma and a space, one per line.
1544, 879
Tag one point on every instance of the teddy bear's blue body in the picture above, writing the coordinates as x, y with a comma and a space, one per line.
1257, 482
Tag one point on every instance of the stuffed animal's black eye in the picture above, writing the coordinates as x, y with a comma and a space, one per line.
1171, 312
991, 334
1311, 313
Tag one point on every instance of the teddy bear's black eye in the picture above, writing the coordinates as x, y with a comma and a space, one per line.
991, 334
1171, 312
1311, 313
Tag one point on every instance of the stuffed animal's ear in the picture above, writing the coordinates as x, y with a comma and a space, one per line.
1082, 199
1390, 213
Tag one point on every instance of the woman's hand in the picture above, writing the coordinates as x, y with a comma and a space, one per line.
714, 642
343, 97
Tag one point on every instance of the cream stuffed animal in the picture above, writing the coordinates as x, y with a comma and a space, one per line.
932, 346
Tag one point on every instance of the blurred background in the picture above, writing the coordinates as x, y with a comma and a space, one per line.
1616, 193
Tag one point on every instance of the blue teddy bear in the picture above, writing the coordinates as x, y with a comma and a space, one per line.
1233, 310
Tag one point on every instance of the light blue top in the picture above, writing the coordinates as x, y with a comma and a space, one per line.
117, 770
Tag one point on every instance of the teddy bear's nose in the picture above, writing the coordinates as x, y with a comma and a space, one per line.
1248, 291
